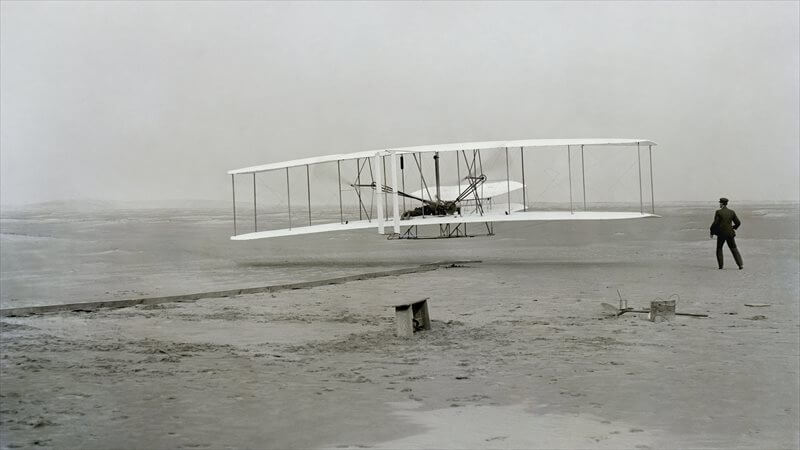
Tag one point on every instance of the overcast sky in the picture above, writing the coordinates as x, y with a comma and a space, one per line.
153, 100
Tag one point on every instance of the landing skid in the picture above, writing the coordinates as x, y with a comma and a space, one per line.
446, 231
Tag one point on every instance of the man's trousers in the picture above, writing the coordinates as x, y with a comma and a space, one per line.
731, 245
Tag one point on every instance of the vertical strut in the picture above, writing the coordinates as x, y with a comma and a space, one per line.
255, 211
569, 169
436, 165
288, 198
508, 183
368, 163
524, 188
403, 175
639, 160
339, 173
419, 164
385, 203
458, 172
583, 176
358, 182
395, 204
233, 190
308, 188
480, 162
652, 196
380, 195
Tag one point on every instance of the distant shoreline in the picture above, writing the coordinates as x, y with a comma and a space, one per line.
102, 205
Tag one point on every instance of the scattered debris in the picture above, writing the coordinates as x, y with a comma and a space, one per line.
621, 301
623, 308
611, 309
663, 309
759, 317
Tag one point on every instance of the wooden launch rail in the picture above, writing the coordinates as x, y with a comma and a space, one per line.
92, 306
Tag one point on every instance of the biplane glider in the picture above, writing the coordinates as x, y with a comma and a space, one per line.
394, 188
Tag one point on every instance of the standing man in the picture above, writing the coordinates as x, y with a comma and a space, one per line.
725, 232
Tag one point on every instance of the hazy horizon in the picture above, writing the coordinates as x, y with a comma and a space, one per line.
144, 102
195, 203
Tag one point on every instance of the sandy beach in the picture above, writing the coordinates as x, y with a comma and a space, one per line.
521, 353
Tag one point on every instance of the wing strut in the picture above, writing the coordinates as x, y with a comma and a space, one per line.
403, 175
421, 181
436, 164
639, 160
395, 206
233, 190
308, 188
385, 180
524, 188
508, 183
288, 198
255, 210
652, 198
339, 174
569, 169
358, 181
583, 176
380, 196
458, 171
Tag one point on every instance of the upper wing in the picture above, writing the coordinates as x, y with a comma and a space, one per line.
303, 162
527, 143
443, 148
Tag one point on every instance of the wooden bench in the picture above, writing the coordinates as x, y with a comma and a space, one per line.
412, 317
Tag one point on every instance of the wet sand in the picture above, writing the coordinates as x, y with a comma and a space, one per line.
520, 355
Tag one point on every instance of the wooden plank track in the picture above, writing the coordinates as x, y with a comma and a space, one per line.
92, 306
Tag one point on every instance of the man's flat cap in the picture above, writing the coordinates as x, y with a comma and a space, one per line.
723, 200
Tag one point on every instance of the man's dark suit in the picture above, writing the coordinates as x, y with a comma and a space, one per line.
725, 232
